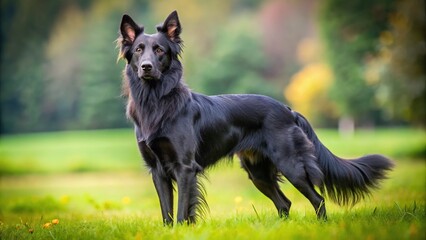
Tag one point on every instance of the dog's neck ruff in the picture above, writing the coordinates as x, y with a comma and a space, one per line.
157, 101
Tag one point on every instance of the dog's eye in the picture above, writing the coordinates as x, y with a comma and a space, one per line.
138, 50
159, 50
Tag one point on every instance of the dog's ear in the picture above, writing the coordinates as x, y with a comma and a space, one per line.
171, 27
129, 30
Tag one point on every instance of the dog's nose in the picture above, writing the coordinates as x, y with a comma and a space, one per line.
146, 66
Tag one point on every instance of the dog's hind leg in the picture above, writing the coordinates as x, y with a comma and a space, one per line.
294, 158
264, 176
296, 169
297, 176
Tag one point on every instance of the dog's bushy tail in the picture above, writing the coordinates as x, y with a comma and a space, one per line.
346, 181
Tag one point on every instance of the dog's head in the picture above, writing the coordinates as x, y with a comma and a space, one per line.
150, 55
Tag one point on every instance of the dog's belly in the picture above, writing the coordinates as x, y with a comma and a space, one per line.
215, 144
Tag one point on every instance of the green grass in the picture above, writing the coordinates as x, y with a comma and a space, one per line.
96, 187
103, 150
392, 142
78, 151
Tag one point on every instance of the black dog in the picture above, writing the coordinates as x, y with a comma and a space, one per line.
180, 133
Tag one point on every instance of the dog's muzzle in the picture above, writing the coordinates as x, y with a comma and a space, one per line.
146, 66
147, 71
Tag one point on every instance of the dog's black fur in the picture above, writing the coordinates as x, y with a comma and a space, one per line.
180, 133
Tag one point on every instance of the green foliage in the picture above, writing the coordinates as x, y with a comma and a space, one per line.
237, 62
350, 31
100, 104
66, 76
21, 85
58, 67
401, 63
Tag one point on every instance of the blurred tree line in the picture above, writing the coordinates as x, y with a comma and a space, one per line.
59, 71
356, 35
399, 67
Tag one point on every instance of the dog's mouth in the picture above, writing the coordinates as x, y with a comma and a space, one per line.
148, 76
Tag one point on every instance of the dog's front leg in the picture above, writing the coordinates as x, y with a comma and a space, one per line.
164, 188
162, 182
187, 194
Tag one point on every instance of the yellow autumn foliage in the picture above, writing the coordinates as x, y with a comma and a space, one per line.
308, 91
308, 51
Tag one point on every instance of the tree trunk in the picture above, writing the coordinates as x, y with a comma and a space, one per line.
346, 126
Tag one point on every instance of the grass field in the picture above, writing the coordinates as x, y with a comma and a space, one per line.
93, 185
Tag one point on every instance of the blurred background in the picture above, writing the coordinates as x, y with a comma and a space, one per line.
65, 144
360, 63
